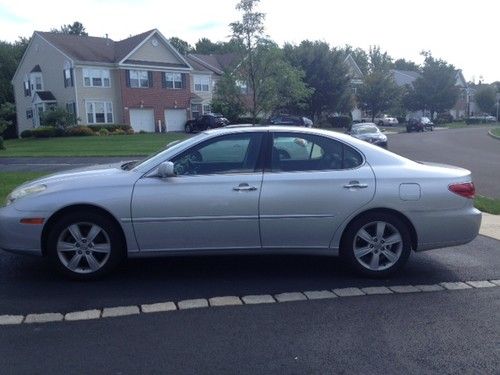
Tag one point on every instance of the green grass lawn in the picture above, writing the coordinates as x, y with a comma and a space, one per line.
496, 131
113, 145
9, 180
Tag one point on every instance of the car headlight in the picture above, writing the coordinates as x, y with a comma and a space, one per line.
23, 192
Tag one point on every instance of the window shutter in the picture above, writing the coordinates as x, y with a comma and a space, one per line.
64, 78
71, 77
150, 78
163, 80
127, 77
184, 78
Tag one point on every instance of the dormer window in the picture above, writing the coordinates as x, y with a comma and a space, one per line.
36, 82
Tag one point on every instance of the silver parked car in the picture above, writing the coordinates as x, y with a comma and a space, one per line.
369, 132
245, 189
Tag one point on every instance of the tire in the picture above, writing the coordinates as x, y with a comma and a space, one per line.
188, 128
368, 253
83, 259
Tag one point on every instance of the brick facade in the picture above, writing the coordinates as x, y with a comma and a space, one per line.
156, 97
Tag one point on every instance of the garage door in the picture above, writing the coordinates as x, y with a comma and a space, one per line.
175, 119
142, 119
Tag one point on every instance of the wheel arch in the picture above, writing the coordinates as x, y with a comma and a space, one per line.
78, 207
399, 215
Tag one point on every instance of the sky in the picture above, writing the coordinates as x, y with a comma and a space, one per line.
464, 33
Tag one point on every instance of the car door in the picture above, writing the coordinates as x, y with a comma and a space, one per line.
212, 202
311, 186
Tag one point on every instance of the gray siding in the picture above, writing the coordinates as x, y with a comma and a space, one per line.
109, 94
51, 62
160, 53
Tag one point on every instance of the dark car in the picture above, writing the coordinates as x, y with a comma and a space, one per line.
419, 125
208, 121
291, 120
369, 132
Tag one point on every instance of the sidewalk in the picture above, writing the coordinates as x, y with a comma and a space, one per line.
490, 226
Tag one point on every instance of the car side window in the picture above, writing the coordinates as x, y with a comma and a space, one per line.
309, 152
233, 153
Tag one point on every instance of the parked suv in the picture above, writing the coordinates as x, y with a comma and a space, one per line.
290, 120
207, 121
419, 125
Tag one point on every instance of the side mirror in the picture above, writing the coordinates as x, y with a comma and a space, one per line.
166, 169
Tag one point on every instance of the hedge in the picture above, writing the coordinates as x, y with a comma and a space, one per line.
110, 127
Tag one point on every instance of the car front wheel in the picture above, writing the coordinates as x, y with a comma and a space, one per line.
377, 244
85, 246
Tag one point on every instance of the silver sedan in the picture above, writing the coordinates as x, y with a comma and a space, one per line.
245, 190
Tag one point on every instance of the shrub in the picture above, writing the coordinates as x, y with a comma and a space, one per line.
143, 132
119, 132
103, 132
443, 118
2, 147
44, 132
130, 131
339, 121
58, 117
8, 120
401, 120
109, 127
79, 131
26, 134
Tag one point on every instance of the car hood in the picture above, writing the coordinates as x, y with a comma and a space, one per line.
92, 175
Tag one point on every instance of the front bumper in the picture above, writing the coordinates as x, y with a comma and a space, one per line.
20, 238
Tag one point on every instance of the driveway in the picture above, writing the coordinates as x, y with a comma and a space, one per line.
470, 148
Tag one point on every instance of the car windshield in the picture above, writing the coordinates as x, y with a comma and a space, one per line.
366, 130
131, 164
425, 120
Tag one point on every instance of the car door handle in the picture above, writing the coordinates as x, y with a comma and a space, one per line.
355, 185
244, 187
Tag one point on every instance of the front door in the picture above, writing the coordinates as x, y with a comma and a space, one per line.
212, 203
313, 185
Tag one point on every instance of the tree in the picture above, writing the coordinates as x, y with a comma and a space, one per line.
228, 98
58, 117
250, 31
180, 45
402, 64
435, 90
485, 98
378, 92
76, 28
205, 46
325, 73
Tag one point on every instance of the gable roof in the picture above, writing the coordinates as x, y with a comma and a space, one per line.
36, 69
353, 67
404, 77
45, 96
217, 63
101, 50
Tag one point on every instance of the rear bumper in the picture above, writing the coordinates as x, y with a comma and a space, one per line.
437, 229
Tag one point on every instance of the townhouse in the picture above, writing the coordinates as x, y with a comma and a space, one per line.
141, 81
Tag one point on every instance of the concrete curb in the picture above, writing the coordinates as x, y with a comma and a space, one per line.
493, 135
234, 301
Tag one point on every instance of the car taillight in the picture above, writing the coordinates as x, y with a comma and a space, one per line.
465, 189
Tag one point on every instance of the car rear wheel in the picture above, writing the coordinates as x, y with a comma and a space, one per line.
85, 246
377, 244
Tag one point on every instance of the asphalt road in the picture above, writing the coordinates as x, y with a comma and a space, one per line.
443, 332
470, 148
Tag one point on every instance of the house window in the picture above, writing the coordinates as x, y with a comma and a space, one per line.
29, 113
173, 80
36, 82
68, 77
195, 110
207, 108
201, 83
99, 112
96, 78
27, 90
71, 109
139, 78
